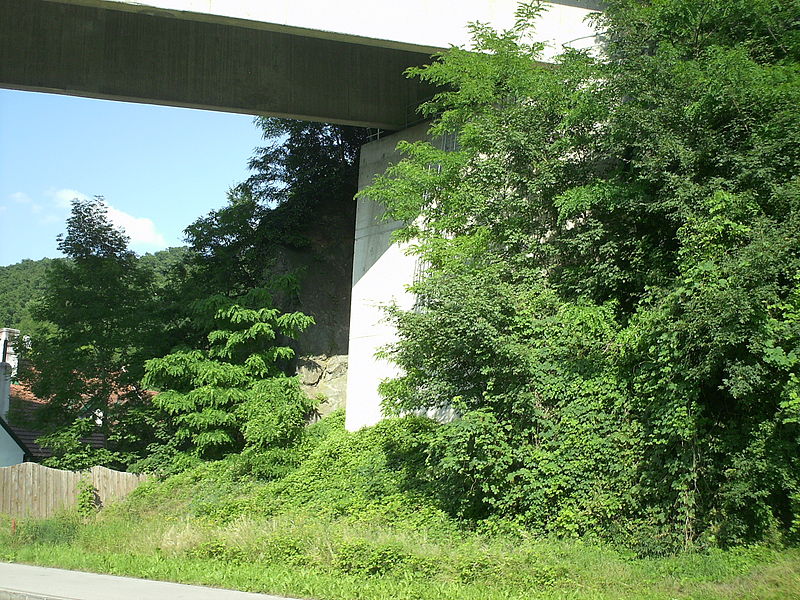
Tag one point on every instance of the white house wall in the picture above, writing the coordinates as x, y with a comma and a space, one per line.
10, 452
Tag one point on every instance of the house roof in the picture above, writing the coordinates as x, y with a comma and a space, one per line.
24, 405
28, 438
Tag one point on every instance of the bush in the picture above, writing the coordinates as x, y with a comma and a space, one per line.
59, 530
365, 558
610, 297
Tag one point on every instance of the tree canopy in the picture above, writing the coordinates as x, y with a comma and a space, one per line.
302, 166
20, 285
611, 286
96, 309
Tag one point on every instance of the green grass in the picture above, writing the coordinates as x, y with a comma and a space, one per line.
308, 557
345, 523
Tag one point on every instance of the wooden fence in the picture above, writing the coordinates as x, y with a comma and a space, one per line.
31, 490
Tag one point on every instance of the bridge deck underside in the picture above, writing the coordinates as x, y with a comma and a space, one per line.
101, 53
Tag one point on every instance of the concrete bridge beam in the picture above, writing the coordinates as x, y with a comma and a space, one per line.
121, 55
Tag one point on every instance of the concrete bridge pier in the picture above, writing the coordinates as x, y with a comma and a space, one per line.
381, 272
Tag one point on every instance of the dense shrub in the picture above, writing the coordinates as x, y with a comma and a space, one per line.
610, 295
233, 393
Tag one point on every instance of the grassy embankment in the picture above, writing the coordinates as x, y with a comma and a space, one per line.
339, 519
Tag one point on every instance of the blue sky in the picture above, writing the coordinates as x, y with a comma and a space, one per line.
159, 168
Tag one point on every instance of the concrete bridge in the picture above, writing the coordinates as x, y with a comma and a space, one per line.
338, 62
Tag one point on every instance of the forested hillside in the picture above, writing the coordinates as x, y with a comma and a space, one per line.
20, 284
25, 282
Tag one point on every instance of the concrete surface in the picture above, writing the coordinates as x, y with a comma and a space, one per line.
138, 57
416, 25
338, 62
381, 272
25, 582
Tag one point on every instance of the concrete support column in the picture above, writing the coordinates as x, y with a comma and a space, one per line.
381, 273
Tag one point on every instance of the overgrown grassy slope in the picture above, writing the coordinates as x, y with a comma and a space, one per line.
341, 517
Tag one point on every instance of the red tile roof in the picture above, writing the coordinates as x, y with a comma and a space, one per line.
24, 393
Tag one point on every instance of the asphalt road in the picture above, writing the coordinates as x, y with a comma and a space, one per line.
24, 582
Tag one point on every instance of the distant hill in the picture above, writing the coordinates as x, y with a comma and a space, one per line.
20, 284
23, 282
163, 261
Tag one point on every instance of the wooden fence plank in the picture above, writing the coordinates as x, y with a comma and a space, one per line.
28, 483
32, 490
5, 491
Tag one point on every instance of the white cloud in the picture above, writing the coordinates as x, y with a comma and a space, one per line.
141, 230
63, 198
20, 198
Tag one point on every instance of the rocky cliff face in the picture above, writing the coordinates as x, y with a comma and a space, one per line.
324, 267
324, 377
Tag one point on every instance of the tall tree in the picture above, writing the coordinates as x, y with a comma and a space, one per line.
99, 302
220, 397
287, 219
303, 166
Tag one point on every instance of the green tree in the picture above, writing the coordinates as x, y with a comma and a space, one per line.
233, 393
99, 306
303, 165
610, 297
276, 223
21, 284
